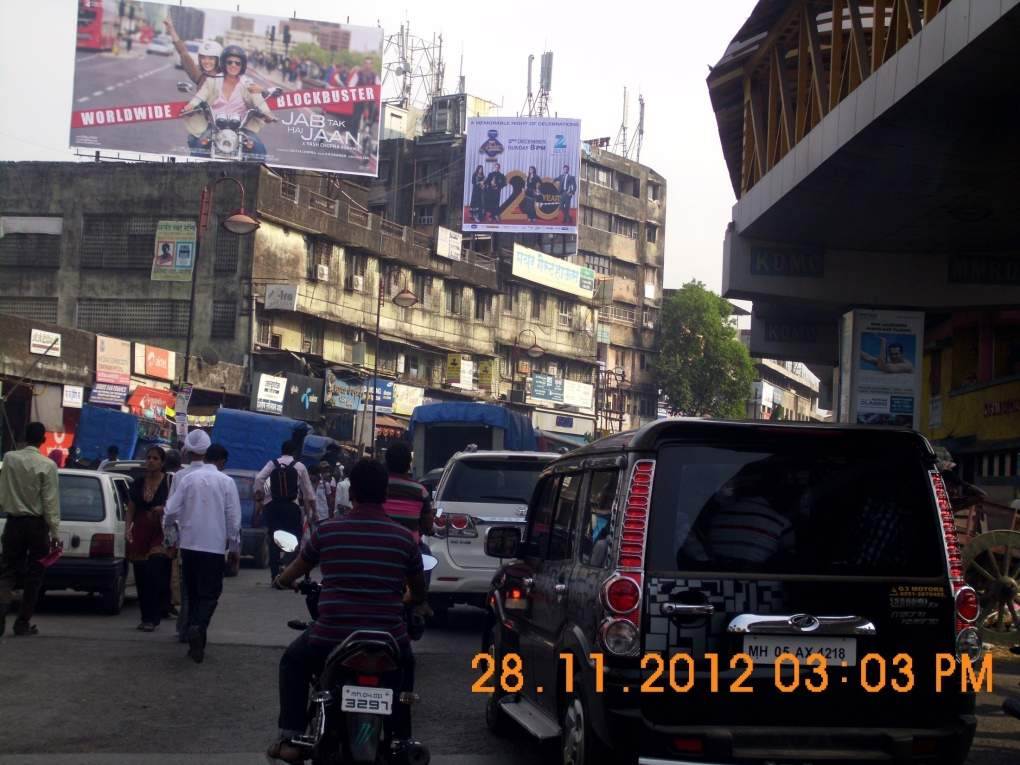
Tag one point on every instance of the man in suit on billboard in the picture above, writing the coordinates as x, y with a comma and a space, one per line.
568, 187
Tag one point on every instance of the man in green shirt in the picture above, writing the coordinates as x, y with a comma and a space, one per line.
30, 498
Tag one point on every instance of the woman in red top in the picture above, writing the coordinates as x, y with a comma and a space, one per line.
144, 531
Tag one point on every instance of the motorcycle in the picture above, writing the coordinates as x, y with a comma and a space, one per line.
226, 138
354, 694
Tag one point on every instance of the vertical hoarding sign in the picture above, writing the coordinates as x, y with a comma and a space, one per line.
269, 394
884, 366
454, 362
554, 273
174, 257
522, 175
316, 105
485, 374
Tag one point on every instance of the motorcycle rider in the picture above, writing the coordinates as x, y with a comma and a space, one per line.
371, 566
230, 96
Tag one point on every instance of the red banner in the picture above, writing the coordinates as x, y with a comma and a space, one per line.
332, 100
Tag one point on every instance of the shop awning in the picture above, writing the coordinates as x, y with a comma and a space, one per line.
389, 421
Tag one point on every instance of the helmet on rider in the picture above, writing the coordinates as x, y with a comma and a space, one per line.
209, 49
234, 51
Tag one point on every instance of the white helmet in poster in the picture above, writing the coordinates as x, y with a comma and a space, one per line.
520, 175
168, 79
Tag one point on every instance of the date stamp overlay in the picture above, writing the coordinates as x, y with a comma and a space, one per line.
790, 673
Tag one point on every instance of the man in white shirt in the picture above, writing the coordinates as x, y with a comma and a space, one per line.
288, 479
206, 507
195, 446
343, 492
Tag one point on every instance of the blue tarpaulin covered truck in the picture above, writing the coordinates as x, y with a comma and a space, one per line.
438, 431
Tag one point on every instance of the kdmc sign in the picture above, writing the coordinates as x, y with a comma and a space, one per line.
228, 86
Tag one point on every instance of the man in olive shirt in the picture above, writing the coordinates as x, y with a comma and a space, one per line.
30, 497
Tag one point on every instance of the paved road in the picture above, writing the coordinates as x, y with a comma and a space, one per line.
105, 80
92, 689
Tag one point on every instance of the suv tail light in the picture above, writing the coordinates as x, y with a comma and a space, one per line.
101, 546
967, 606
460, 525
621, 593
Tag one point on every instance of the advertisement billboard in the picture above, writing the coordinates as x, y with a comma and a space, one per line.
174, 256
449, 243
225, 85
269, 394
555, 273
303, 398
521, 175
882, 379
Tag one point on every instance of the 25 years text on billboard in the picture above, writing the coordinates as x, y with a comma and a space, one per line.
521, 175
224, 85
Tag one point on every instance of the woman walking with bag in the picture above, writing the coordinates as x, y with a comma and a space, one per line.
144, 531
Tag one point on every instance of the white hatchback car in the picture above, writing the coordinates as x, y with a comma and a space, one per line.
92, 509
478, 489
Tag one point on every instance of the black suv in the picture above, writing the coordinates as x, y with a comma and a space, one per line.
720, 592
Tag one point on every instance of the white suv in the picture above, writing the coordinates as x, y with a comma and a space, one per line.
478, 489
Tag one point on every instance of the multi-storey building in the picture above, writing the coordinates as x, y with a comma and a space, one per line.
622, 238
305, 293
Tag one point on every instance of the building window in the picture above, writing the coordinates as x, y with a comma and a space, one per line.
265, 331
511, 298
621, 314
649, 318
651, 233
317, 253
628, 184
224, 319
600, 264
117, 241
422, 287
38, 309
595, 218
643, 361
557, 244
624, 270
653, 191
454, 299
600, 176
423, 215
312, 336
141, 318
563, 312
276, 341
483, 305
30, 250
538, 301
624, 226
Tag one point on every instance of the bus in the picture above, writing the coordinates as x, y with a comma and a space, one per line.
98, 22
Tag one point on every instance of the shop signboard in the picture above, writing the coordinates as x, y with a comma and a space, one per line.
113, 361
406, 398
73, 397
341, 394
303, 398
45, 343
546, 388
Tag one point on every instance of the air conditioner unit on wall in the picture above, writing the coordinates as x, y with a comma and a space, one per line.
355, 283
322, 273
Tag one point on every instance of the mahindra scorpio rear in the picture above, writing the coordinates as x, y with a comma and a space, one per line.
772, 593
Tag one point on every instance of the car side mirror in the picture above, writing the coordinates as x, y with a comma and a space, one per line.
503, 541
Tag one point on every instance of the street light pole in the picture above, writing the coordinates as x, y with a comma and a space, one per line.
375, 374
239, 222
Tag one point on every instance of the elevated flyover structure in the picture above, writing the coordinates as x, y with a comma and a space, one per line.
874, 149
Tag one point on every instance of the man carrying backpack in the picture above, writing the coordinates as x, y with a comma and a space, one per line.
288, 479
